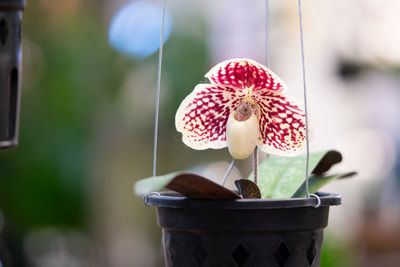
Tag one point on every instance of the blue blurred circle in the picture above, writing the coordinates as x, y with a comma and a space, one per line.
135, 29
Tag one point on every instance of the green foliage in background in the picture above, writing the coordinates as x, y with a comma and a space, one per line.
336, 253
71, 90
70, 73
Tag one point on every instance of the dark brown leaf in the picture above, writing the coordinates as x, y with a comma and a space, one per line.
197, 187
329, 159
248, 189
348, 175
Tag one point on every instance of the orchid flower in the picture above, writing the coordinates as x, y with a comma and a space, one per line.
242, 107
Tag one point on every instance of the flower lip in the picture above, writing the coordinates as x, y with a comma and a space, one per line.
242, 136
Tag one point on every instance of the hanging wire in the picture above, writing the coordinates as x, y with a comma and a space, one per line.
267, 63
305, 100
267, 60
228, 171
160, 55
267, 43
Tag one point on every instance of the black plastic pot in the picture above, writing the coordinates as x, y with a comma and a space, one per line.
243, 233
10, 69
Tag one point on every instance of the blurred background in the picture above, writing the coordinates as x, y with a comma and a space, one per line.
87, 113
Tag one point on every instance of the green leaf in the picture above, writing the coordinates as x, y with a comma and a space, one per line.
316, 182
280, 177
154, 183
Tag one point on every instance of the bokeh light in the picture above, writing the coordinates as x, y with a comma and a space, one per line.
135, 29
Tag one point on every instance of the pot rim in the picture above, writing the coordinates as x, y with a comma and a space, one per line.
169, 199
13, 4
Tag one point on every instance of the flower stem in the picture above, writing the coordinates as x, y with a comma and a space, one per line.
255, 164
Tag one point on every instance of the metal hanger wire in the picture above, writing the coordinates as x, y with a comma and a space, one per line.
255, 163
305, 100
267, 63
160, 57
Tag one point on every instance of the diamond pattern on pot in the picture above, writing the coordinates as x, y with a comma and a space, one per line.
199, 254
3, 31
281, 254
173, 248
240, 255
311, 252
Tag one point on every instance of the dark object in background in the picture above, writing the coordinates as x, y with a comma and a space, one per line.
10, 69
247, 232
349, 70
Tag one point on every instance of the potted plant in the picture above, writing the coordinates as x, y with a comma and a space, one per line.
268, 221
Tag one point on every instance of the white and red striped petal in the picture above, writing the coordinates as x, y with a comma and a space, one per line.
203, 115
282, 123
245, 73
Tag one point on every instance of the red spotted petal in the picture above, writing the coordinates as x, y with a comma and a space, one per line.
282, 123
245, 73
202, 116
